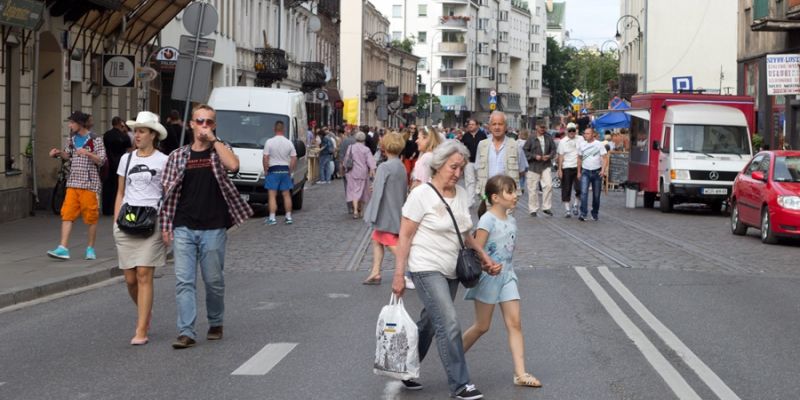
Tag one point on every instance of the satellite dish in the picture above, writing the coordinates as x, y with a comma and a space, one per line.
314, 24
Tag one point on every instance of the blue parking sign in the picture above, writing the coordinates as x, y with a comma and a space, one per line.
682, 83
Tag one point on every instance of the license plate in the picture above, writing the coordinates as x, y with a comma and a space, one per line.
715, 191
245, 196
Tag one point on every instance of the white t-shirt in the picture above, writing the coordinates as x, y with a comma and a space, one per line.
591, 154
143, 185
569, 149
280, 150
435, 246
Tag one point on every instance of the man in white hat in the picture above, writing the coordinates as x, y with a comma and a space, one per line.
568, 168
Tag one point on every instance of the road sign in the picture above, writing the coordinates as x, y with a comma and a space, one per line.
682, 83
118, 70
576, 107
493, 100
492, 93
204, 49
577, 93
200, 19
492, 106
200, 85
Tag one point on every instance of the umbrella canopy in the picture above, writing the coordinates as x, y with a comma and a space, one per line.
613, 120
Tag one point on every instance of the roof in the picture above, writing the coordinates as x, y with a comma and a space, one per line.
555, 17
705, 114
141, 19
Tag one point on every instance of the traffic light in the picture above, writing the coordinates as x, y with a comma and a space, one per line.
419, 78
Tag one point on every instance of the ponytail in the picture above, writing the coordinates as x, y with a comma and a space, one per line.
482, 208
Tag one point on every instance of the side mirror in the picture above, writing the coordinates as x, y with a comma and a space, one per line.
655, 145
759, 176
300, 148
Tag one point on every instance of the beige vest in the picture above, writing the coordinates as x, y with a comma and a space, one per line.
512, 163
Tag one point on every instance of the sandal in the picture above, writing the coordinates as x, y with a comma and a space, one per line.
527, 380
372, 281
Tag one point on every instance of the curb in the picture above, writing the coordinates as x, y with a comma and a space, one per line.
49, 287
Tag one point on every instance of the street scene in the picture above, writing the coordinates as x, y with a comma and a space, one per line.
399, 199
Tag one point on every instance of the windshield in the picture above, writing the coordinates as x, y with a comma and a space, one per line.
716, 139
247, 129
787, 169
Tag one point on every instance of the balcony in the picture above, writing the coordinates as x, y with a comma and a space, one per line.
271, 65
451, 48
454, 23
313, 74
766, 20
453, 103
457, 75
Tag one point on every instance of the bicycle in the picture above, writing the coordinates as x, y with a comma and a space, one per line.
60, 189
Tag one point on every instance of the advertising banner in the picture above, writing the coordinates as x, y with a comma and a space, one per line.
783, 74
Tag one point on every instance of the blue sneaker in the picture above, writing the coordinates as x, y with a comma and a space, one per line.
90, 253
60, 252
270, 221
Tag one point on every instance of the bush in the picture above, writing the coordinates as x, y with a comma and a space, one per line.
758, 141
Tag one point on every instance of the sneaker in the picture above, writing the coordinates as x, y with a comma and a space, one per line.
289, 221
270, 221
409, 284
533, 213
469, 393
90, 255
594, 218
567, 214
60, 252
548, 212
581, 218
411, 385
183, 342
575, 210
214, 333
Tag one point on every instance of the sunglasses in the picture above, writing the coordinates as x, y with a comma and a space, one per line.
204, 121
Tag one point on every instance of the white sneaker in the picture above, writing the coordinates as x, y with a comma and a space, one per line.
410, 284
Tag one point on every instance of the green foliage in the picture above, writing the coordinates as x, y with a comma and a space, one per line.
407, 45
758, 141
422, 102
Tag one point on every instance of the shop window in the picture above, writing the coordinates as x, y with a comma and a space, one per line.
640, 136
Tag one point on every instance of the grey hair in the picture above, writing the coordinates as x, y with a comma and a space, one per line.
361, 137
444, 151
499, 114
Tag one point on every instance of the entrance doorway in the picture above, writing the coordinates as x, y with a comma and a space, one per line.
50, 129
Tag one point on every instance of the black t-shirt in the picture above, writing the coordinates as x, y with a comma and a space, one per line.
201, 206
471, 143
411, 150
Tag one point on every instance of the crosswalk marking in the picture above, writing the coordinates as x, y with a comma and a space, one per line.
266, 359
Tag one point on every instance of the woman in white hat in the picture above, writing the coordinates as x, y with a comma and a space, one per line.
140, 187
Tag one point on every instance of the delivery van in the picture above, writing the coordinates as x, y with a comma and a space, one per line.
246, 118
688, 148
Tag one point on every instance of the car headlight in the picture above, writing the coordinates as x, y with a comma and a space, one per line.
680, 174
789, 202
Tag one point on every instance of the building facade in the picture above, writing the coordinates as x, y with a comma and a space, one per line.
556, 21
703, 49
769, 28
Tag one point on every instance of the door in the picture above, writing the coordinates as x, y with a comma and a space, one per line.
664, 160
748, 211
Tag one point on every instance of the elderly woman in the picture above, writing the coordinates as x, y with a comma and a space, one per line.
429, 246
363, 168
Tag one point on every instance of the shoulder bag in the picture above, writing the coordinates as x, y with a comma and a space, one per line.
348, 159
136, 220
468, 264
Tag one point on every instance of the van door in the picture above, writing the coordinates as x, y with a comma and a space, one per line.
664, 157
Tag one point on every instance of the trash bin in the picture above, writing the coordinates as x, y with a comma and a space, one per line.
630, 196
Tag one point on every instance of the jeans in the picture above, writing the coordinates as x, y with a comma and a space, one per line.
325, 169
590, 177
206, 247
438, 318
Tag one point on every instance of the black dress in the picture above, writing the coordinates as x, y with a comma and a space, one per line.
117, 144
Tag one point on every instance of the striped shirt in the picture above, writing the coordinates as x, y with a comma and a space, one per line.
84, 173
172, 181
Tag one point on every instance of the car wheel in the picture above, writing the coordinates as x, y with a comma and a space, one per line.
649, 199
767, 236
737, 227
665, 202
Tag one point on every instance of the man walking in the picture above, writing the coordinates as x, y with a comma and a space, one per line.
540, 150
592, 167
568, 168
200, 204
116, 142
498, 155
280, 158
471, 138
86, 154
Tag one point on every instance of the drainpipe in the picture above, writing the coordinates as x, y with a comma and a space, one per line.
34, 99
645, 45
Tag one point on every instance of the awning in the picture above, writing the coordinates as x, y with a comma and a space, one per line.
641, 114
143, 19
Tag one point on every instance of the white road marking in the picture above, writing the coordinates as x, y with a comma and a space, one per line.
700, 368
266, 359
338, 295
671, 376
265, 305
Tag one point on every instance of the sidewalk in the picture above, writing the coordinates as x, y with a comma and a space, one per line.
27, 273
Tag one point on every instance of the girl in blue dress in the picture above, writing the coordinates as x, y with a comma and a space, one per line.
497, 232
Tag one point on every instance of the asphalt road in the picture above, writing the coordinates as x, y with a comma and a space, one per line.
639, 305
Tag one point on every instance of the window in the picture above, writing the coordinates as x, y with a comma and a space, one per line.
754, 165
503, 57
502, 78
423, 10
397, 35
422, 37
535, 66
640, 139
423, 63
504, 36
451, 37
12, 108
483, 48
503, 16
397, 11
485, 71
535, 47
421, 88
538, 11
536, 29
483, 23
447, 90
787, 169
536, 84
715, 139
666, 139
447, 63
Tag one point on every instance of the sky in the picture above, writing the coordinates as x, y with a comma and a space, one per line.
593, 21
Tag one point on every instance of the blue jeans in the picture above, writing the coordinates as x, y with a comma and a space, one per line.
325, 171
438, 318
207, 248
590, 177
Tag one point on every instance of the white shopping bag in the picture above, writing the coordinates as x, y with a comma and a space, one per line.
396, 351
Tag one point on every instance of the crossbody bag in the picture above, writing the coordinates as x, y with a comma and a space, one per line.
468, 264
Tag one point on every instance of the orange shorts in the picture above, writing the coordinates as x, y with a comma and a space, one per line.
80, 202
385, 238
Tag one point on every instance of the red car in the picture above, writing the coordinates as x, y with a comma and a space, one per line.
766, 196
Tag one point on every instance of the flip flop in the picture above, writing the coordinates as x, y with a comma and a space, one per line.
372, 281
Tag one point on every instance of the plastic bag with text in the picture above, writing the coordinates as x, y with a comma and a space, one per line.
396, 352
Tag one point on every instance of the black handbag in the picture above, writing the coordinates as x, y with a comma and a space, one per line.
468, 264
136, 220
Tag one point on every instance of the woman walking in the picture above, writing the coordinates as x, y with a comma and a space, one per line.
358, 177
140, 186
427, 141
429, 246
496, 233
383, 211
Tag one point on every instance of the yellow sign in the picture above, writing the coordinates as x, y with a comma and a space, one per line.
492, 106
576, 107
351, 110
577, 93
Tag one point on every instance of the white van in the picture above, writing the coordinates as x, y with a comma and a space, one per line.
246, 118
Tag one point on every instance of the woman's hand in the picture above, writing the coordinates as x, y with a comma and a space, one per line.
398, 285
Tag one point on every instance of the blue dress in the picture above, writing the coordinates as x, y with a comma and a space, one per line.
500, 247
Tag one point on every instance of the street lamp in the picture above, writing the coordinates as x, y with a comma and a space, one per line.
618, 36
612, 43
576, 40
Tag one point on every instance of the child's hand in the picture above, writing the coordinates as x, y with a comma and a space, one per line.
494, 269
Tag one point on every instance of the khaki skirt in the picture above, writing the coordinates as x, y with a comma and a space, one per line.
137, 251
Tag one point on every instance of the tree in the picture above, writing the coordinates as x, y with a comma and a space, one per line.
557, 76
407, 45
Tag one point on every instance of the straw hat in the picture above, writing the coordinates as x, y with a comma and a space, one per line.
146, 119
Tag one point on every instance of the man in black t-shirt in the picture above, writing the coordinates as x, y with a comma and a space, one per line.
174, 127
117, 142
471, 138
